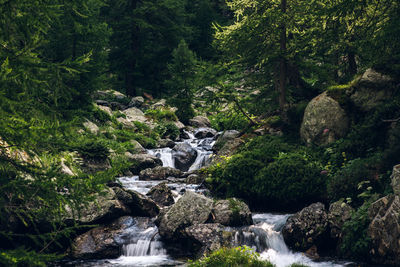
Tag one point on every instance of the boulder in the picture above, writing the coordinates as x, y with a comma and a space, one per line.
179, 124
194, 179
205, 132
135, 114
138, 204
184, 156
230, 147
111, 95
105, 208
93, 165
106, 109
307, 228
395, 180
324, 121
126, 124
117, 105
91, 127
339, 212
161, 194
138, 147
384, 230
136, 102
227, 143
200, 121
166, 143
371, 90
101, 242
204, 238
231, 212
190, 209
159, 173
160, 104
142, 161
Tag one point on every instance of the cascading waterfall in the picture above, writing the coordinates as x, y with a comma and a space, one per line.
143, 246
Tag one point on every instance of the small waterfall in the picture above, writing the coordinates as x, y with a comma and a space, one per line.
165, 154
147, 244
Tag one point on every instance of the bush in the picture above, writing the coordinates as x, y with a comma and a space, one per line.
161, 114
93, 149
23, 257
168, 130
228, 120
344, 183
355, 240
290, 182
231, 257
270, 172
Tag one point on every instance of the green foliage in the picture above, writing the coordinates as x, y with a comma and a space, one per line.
167, 130
231, 257
356, 241
92, 149
270, 173
161, 114
228, 120
23, 257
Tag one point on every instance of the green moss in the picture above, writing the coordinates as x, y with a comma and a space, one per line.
161, 114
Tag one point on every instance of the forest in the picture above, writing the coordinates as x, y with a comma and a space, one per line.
181, 133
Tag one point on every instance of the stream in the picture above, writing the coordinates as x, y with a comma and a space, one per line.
143, 245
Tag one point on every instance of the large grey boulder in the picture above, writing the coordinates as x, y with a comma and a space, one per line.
159, 173
307, 228
134, 114
384, 230
161, 194
101, 242
140, 162
136, 102
205, 132
371, 90
199, 121
190, 209
224, 138
231, 212
339, 213
227, 143
395, 179
138, 204
184, 156
106, 207
324, 121
91, 127
204, 238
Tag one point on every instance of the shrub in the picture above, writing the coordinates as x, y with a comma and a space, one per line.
93, 149
23, 257
168, 130
290, 182
232, 257
355, 240
344, 183
228, 120
161, 114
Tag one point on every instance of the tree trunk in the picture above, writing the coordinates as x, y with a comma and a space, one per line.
282, 67
134, 46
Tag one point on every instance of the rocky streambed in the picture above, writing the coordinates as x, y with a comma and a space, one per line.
164, 214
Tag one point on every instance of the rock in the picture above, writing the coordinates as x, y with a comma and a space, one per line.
384, 230
91, 127
224, 138
93, 165
111, 95
102, 103
324, 121
190, 209
117, 105
161, 194
101, 242
200, 121
195, 179
136, 102
166, 143
204, 238
159, 173
231, 212
160, 104
126, 124
339, 212
138, 147
371, 90
134, 114
105, 208
106, 109
138, 204
307, 228
179, 124
395, 180
142, 161
205, 132
184, 156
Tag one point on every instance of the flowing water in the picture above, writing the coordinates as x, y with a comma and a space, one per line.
142, 244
